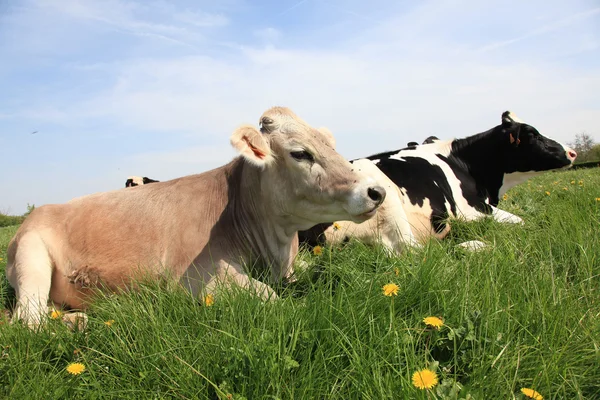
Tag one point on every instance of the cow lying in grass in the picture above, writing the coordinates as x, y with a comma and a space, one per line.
459, 178
201, 229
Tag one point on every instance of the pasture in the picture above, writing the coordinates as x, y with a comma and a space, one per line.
523, 314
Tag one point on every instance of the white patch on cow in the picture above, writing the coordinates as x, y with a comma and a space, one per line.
473, 245
506, 217
514, 178
512, 116
376, 161
138, 180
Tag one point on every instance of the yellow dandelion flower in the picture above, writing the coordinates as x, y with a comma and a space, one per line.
209, 300
391, 289
336, 226
1, 258
434, 322
505, 197
75, 368
424, 379
110, 322
597, 198
581, 183
555, 183
532, 394
565, 189
547, 193
572, 182
318, 250
56, 314
397, 271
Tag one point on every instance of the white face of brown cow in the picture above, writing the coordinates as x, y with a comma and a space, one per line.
304, 175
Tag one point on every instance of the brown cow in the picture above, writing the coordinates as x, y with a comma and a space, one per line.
201, 229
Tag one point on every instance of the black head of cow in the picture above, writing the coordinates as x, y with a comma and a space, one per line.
529, 150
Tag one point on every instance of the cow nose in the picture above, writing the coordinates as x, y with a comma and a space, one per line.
377, 194
572, 154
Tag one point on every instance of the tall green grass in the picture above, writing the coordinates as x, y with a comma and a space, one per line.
524, 313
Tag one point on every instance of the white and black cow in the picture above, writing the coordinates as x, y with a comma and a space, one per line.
459, 178
138, 181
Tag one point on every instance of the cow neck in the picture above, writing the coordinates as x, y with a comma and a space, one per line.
254, 215
483, 157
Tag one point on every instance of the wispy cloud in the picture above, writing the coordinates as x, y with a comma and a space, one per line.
296, 5
560, 24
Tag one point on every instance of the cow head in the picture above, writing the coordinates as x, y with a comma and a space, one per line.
308, 180
138, 180
530, 150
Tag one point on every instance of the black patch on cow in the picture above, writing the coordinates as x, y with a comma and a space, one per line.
430, 139
421, 180
147, 180
474, 193
412, 144
130, 183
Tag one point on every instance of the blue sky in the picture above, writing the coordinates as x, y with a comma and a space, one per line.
116, 88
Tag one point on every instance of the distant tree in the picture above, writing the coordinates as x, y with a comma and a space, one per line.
583, 145
30, 208
594, 153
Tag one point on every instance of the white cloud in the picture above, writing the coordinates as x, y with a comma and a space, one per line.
268, 35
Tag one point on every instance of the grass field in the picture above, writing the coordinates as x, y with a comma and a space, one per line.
523, 314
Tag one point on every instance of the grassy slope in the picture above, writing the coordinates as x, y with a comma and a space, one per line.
524, 314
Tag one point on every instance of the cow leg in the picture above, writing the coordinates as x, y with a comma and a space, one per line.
229, 274
30, 274
504, 216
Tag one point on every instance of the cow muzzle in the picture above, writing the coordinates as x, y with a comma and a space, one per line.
363, 203
571, 154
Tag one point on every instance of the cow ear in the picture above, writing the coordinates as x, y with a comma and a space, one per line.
252, 145
328, 136
507, 118
512, 126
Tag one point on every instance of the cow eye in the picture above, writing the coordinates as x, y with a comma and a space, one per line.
302, 155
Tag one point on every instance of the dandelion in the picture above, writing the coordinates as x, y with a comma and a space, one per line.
555, 183
209, 300
424, 379
532, 394
572, 182
391, 289
505, 197
581, 183
56, 314
318, 250
75, 368
1, 258
547, 193
336, 226
597, 198
110, 322
397, 271
565, 189
434, 322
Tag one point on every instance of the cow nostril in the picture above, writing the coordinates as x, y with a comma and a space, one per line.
572, 154
377, 194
